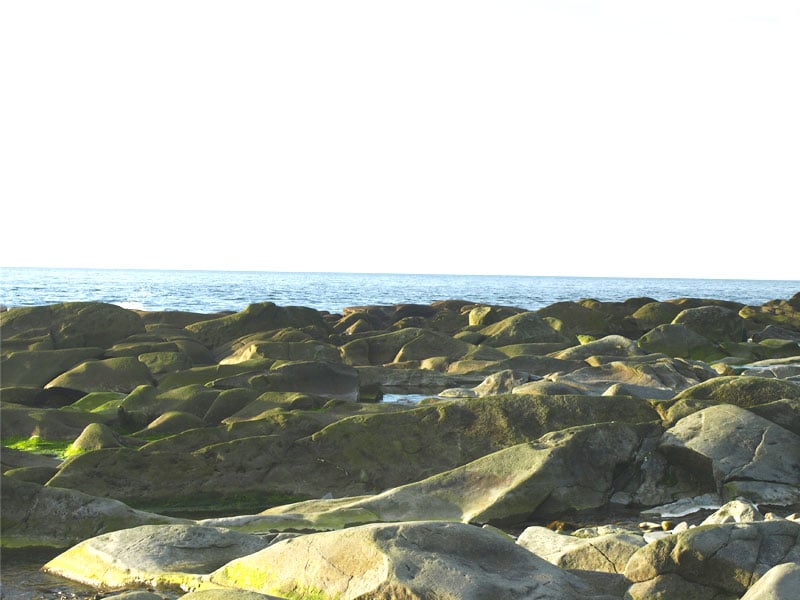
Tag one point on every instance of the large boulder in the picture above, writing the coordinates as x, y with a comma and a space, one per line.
744, 391
605, 553
680, 341
413, 561
160, 556
261, 460
43, 424
434, 344
370, 453
715, 323
152, 402
309, 350
610, 345
379, 349
653, 314
782, 313
71, 324
781, 582
567, 471
264, 316
712, 561
523, 328
329, 380
35, 516
740, 452
121, 374
36, 368
579, 319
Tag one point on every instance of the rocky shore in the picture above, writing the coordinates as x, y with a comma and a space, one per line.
610, 450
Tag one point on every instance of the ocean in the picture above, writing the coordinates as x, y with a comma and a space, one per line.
215, 291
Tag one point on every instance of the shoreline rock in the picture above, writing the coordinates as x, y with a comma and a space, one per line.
582, 413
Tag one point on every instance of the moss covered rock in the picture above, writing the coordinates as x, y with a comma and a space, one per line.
265, 316
680, 341
94, 437
653, 314
580, 319
714, 323
610, 345
310, 350
110, 375
36, 368
523, 328
71, 324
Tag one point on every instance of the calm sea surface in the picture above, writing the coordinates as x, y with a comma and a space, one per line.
212, 291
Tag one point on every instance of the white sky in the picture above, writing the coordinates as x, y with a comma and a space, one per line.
609, 138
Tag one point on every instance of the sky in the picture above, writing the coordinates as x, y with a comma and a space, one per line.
571, 137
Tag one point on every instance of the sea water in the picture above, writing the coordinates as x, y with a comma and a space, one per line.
215, 291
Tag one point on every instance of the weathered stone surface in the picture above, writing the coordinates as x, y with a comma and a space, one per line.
412, 381
71, 324
161, 556
44, 424
153, 401
26, 368
785, 413
727, 558
429, 344
34, 515
653, 314
483, 316
329, 380
161, 363
726, 443
310, 350
501, 382
611, 345
783, 313
94, 437
535, 480
259, 317
742, 391
607, 553
388, 450
715, 323
660, 379
781, 582
407, 560
735, 511
378, 349
172, 422
548, 387
578, 319
680, 341
523, 328
227, 594
16, 459
110, 375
